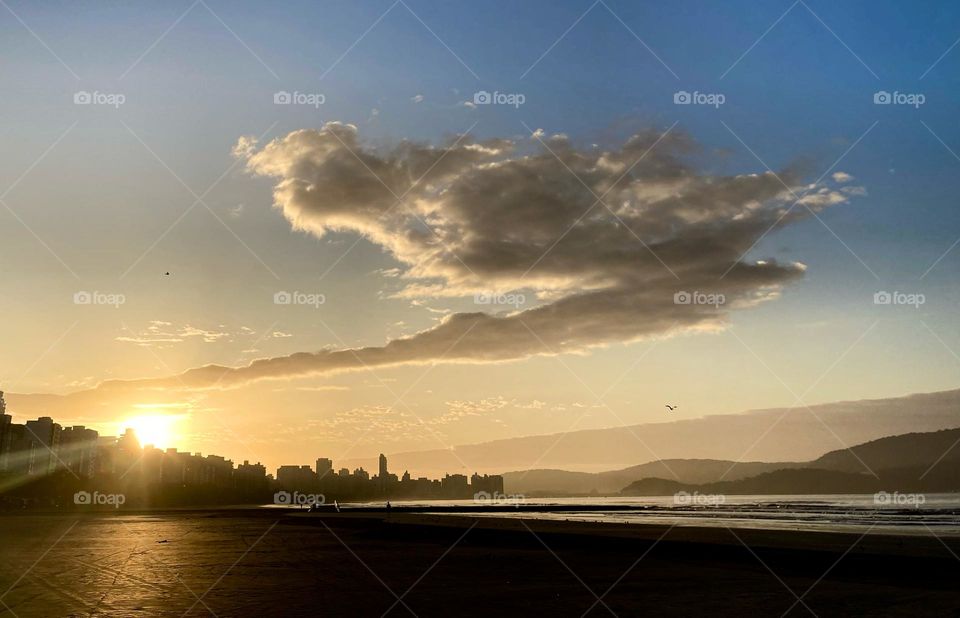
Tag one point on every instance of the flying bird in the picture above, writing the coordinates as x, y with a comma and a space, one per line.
671, 408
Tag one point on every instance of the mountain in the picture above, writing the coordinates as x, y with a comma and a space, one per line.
904, 451
784, 434
779, 482
914, 462
692, 471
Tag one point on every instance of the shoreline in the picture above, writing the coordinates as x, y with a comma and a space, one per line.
881, 543
875, 539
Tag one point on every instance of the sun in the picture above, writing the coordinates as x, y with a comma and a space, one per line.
155, 429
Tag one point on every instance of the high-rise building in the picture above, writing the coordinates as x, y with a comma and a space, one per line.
251, 480
324, 467
454, 485
383, 466
44, 437
296, 478
5, 423
491, 484
78, 450
127, 454
18, 449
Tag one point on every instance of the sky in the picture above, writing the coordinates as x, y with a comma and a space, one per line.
480, 214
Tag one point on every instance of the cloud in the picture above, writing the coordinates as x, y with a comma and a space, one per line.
841, 177
417, 99
163, 334
498, 215
323, 388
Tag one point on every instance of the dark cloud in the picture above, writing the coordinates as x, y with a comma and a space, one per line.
503, 215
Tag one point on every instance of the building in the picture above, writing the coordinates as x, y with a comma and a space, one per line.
151, 466
5, 422
151, 476
324, 467
491, 484
454, 486
78, 450
18, 449
106, 454
44, 438
251, 480
297, 478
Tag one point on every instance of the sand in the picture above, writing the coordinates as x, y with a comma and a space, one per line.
275, 563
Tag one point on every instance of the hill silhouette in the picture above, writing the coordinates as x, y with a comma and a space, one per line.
919, 461
682, 471
915, 462
903, 451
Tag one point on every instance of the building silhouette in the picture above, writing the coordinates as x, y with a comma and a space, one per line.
44, 463
78, 450
44, 441
324, 467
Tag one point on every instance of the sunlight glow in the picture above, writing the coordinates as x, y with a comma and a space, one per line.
156, 429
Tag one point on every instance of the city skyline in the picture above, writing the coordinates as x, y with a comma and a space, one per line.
41, 451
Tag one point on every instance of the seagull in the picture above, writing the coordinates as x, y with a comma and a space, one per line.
671, 408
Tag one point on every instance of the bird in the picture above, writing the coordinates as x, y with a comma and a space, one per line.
671, 408
167, 274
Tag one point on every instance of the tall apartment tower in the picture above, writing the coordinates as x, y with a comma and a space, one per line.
383, 467
324, 467
44, 436
5, 421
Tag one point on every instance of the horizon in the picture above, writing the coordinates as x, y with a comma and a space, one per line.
149, 427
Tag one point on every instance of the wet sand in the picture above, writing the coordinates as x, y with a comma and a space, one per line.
276, 563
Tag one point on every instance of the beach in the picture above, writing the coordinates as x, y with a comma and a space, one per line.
273, 562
